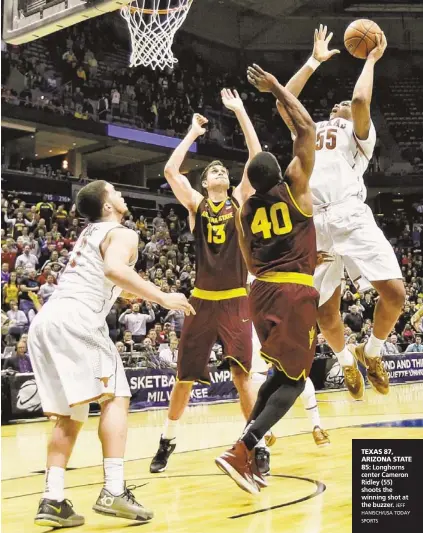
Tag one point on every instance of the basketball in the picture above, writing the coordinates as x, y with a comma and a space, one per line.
360, 37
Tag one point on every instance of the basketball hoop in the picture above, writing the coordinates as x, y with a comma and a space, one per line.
152, 28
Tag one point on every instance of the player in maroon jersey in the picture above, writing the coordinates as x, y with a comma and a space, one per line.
278, 241
219, 297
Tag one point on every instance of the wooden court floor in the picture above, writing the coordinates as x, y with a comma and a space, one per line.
309, 492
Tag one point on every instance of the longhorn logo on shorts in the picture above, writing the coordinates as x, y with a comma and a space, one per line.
311, 335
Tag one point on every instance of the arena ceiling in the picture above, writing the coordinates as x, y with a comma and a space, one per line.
273, 24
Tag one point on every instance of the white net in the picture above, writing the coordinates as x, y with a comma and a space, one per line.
152, 26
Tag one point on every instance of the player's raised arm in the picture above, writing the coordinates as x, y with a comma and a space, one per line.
320, 54
302, 165
119, 250
231, 100
181, 187
362, 95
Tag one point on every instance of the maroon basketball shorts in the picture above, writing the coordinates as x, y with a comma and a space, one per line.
227, 320
285, 315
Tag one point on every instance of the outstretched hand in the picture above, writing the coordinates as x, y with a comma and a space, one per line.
321, 50
178, 301
262, 80
231, 100
198, 121
380, 48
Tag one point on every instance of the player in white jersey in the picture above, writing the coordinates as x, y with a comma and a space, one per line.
345, 225
75, 362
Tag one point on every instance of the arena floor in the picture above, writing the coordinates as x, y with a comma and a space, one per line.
309, 492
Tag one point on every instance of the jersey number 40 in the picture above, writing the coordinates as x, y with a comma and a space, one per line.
275, 220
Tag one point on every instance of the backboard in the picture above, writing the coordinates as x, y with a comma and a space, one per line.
27, 20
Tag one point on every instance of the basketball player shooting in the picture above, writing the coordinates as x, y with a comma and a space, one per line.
344, 223
278, 241
75, 362
219, 296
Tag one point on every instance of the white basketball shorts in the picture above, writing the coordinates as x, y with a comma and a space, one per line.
73, 358
349, 231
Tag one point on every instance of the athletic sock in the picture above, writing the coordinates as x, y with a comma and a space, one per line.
261, 443
308, 398
55, 484
113, 475
345, 357
373, 346
169, 429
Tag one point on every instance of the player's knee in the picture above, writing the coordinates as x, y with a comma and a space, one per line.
327, 316
240, 378
392, 292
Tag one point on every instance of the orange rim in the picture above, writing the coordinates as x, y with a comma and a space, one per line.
133, 9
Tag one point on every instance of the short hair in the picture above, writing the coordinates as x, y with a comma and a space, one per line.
264, 172
90, 200
214, 163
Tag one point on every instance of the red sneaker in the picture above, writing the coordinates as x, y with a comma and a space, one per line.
237, 464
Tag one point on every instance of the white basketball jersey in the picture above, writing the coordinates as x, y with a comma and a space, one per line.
341, 160
83, 278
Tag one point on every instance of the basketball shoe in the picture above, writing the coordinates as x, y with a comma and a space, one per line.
237, 464
377, 375
123, 506
353, 379
52, 513
260, 466
262, 460
159, 462
320, 436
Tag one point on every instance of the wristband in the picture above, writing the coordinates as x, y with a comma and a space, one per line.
313, 63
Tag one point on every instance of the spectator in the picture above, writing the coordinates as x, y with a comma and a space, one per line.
8, 256
28, 284
20, 362
170, 355
128, 341
136, 322
369, 306
176, 319
158, 221
48, 288
416, 347
27, 261
17, 320
120, 347
17, 224
5, 275
390, 346
408, 334
45, 211
11, 290
322, 348
354, 320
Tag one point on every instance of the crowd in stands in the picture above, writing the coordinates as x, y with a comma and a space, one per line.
74, 76
37, 242
36, 245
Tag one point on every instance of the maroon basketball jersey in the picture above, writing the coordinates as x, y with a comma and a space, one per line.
219, 261
275, 235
